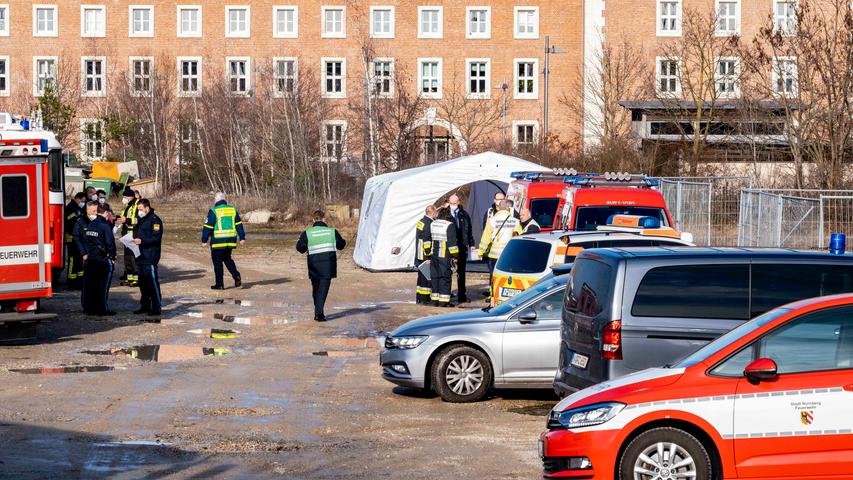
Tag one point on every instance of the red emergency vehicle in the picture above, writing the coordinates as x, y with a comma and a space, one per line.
582, 201
31, 221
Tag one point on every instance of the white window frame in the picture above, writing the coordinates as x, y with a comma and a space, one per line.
776, 18
49, 33
440, 11
179, 31
132, 77
4, 32
84, 77
84, 140
323, 32
775, 76
677, 92
392, 20
276, 33
343, 92
131, 32
181, 91
36, 91
488, 89
516, 78
727, 33
331, 123
678, 19
242, 33
524, 123
478, 35
391, 92
276, 77
6, 91
103, 27
515, 24
440, 88
228, 77
733, 78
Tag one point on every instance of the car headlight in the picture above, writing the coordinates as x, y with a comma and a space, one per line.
584, 416
407, 342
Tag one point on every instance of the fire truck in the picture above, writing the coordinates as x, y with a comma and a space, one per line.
32, 195
568, 200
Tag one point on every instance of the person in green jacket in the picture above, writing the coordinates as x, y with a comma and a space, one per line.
321, 242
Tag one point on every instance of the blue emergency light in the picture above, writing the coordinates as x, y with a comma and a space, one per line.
43, 145
533, 175
576, 180
837, 243
652, 182
518, 175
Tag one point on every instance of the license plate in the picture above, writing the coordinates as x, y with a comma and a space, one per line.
541, 449
579, 360
509, 292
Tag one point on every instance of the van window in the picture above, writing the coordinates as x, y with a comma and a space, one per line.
543, 210
778, 284
588, 218
589, 288
694, 291
14, 196
525, 256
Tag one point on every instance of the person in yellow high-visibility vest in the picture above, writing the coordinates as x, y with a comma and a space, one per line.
223, 231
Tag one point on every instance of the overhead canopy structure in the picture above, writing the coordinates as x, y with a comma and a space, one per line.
394, 202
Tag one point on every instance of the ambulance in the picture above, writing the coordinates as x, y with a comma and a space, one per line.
31, 222
528, 258
772, 398
565, 199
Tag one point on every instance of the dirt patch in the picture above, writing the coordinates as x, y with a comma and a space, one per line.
238, 412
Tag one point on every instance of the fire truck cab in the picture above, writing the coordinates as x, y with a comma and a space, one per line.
565, 199
31, 175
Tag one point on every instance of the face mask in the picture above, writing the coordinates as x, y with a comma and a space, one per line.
125, 200
92, 217
102, 201
453, 208
93, 197
81, 204
141, 213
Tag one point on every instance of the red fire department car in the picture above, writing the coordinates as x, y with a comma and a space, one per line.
572, 201
772, 398
31, 203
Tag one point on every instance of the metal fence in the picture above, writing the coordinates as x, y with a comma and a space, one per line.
707, 207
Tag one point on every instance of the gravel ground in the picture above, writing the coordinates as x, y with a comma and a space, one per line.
265, 404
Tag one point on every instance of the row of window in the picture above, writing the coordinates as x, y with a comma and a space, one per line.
728, 13
285, 21
727, 72
239, 75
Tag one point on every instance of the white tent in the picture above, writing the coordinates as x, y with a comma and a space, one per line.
394, 202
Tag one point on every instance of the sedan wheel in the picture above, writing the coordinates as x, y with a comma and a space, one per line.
665, 454
462, 374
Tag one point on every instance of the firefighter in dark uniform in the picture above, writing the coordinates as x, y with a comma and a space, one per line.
423, 246
321, 243
127, 219
100, 258
78, 236
443, 255
148, 234
221, 230
465, 240
75, 209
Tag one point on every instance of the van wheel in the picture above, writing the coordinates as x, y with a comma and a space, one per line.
663, 454
462, 374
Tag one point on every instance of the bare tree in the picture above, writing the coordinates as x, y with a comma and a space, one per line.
477, 117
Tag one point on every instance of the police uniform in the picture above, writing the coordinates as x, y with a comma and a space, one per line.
130, 219
321, 243
444, 248
422, 253
149, 229
222, 229
73, 211
100, 246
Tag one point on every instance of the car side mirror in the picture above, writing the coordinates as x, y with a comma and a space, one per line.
528, 315
761, 370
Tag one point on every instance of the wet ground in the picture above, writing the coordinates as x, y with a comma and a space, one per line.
244, 384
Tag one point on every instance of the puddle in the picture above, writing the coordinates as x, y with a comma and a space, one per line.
134, 443
259, 320
162, 353
234, 301
336, 354
216, 333
359, 334
52, 370
538, 410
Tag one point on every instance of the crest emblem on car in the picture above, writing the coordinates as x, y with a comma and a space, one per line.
807, 417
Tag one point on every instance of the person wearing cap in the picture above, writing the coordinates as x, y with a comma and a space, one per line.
74, 210
321, 243
128, 219
223, 231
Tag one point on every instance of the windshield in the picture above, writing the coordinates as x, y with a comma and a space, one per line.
730, 338
529, 294
525, 256
543, 210
590, 217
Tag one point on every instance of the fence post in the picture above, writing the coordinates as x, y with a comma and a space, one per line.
708, 241
820, 241
779, 221
679, 216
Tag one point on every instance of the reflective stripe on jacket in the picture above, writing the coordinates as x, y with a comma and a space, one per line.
498, 232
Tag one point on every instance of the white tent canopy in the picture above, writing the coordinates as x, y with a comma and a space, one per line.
394, 202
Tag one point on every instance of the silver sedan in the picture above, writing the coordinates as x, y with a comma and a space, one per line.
462, 355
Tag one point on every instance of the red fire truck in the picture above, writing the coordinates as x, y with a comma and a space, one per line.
565, 199
31, 222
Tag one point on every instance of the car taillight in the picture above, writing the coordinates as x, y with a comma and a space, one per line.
26, 306
611, 341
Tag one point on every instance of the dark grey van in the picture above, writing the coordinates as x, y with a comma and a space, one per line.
630, 309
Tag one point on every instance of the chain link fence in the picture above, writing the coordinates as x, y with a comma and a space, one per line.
707, 207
